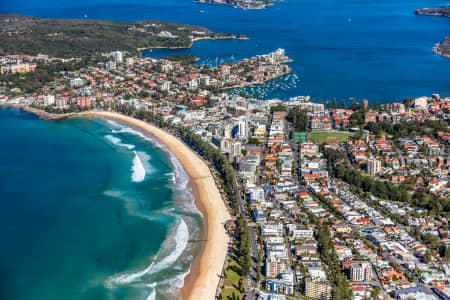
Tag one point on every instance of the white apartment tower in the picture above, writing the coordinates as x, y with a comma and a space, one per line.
373, 166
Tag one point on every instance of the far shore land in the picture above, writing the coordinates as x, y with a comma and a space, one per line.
233, 37
204, 276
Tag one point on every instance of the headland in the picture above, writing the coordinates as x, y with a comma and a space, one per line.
442, 48
80, 38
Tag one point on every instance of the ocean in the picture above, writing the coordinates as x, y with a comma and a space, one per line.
91, 209
375, 50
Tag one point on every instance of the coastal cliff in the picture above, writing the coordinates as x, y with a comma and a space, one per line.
437, 11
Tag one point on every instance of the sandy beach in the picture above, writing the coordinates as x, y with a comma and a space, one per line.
202, 281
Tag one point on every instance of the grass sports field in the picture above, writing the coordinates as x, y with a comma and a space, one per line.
323, 136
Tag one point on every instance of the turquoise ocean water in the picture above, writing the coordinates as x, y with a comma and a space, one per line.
91, 209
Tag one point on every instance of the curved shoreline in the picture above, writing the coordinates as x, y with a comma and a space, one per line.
206, 268
205, 271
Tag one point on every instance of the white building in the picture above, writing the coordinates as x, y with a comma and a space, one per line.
49, 100
76, 82
373, 166
111, 65
118, 57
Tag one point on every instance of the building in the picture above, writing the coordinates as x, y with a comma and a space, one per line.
165, 86
317, 288
60, 103
371, 116
373, 166
242, 127
49, 100
129, 61
361, 272
118, 57
365, 104
110, 65
235, 150
18, 67
284, 284
83, 101
420, 103
275, 266
76, 82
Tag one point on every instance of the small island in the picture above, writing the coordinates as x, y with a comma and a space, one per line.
65, 38
437, 11
245, 4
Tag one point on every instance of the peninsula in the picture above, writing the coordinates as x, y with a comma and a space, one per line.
66, 38
442, 48
437, 11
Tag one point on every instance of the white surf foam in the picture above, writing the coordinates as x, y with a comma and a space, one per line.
114, 123
138, 170
182, 185
181, 241
181, 238
116, 141
125, 129
152, 295
133, 209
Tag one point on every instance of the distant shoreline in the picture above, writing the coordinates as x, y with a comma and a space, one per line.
440, 48
233, 37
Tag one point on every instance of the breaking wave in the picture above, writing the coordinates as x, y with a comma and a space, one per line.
180, 238
116, 141
138, 170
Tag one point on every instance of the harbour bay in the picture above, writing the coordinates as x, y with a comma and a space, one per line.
379, 51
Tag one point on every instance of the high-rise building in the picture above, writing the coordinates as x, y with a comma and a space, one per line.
365, 104
274, 266
361, 272
118, 57
110, 65
242, 126
49, 100
373, 166
235, 149
317, 288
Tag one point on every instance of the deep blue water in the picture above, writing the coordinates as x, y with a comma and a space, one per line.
78, 222
383, 54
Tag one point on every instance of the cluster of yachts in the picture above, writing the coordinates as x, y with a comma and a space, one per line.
270, 88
